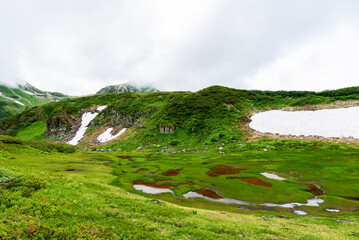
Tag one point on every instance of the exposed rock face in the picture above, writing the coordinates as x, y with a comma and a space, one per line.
126, 120
62, 127
168, 129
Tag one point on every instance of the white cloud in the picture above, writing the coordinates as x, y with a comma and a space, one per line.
77, 47
327, 61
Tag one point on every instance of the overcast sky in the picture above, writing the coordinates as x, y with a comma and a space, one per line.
78, 47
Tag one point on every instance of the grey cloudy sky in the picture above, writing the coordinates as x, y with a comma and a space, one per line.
77, 47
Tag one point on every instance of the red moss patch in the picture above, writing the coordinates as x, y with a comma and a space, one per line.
252, 180
208, 193
314, 189
223, 170
172, 173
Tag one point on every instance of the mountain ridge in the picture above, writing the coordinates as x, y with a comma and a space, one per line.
14, 100
126, 87
178, 119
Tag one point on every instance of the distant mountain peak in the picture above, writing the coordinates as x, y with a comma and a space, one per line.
21, 96
126, 87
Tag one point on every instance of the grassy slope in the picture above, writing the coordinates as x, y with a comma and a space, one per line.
10, 108
209, 117
46, 201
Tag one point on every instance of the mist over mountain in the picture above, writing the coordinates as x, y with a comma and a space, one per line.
17, 97
126, 87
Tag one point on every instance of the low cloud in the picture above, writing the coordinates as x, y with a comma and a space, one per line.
78, 47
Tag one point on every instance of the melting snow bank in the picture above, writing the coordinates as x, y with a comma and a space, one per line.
273, 176
326, 123
313, 202
152, 190
107, 136
332, 210
86, 119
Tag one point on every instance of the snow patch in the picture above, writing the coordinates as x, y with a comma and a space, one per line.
86, 119
332, 210
151, 190
107, 136
326, 123
272, 176
11, 99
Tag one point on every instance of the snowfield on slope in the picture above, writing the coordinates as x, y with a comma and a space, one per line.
86, 119
340, 122
11, 99
107, 136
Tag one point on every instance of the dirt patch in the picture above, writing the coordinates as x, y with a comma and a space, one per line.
208, 193
124, 157
72, 170
205, 163
141, 170
172, 173
124, 172
105, 163
252, 180
223, 170
149, 156
161, 180
314, 189
162, 186
352, 198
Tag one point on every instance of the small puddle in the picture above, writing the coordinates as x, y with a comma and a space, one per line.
223, 170
252, 180
313, 202
273, 176
332, 210
171, 173
153, 188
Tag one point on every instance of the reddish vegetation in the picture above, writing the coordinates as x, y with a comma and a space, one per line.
172, 173
124, 157
314, 189
223, 170
204, 163
142, 170
161, 180
141, 182
252, 180
208, 193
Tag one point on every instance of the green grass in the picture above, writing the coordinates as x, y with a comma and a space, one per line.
44, 201
33, 132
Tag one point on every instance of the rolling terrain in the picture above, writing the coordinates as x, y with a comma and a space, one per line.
174, 165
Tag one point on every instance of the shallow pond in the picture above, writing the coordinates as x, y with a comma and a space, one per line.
326, 123
313, 202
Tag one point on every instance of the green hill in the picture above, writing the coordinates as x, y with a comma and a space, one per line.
50, 190
14, 100
175, 119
